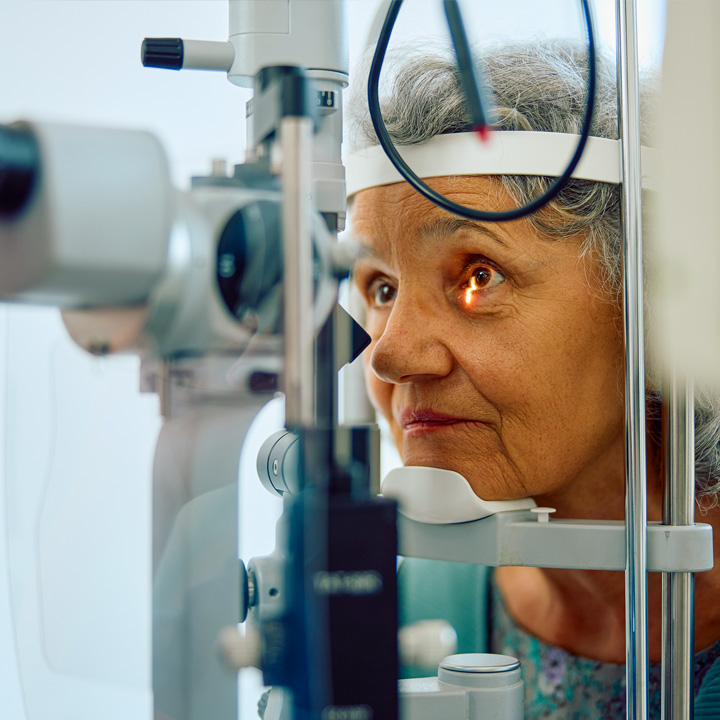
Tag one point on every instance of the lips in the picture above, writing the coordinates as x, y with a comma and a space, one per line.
415, 422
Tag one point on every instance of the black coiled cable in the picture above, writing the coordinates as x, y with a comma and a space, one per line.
435, 197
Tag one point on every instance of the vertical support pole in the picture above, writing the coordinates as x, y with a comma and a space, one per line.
678, 588
296, 134
635, 435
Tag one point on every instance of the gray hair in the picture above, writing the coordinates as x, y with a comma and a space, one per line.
540, 87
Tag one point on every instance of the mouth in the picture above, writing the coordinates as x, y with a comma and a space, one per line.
421, 422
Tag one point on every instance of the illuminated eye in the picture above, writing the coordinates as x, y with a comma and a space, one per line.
485, 277
482, 278
382, 293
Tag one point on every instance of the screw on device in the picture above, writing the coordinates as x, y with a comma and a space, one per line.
543, 513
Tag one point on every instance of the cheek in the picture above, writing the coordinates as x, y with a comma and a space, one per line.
379, 391
381, 396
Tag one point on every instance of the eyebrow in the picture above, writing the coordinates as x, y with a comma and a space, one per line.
444, 226
438, 229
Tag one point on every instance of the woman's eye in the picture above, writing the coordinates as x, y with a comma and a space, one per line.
482, 277
381, 293
485, 277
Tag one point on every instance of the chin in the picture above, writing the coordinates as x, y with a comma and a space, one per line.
487, 485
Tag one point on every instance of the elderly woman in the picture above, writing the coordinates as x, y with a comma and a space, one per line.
497, 352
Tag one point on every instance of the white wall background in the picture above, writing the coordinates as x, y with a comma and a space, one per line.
82, 418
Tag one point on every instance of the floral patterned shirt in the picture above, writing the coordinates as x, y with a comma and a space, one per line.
559, 685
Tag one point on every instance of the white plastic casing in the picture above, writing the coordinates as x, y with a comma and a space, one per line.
473, 686
308, 33
207, 55
685, 261
96, 230
426, 642
184, 313
432, 495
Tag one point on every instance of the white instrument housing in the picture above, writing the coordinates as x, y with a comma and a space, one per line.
276, 32
436, 496
96, 230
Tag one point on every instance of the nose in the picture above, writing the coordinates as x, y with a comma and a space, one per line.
411, 347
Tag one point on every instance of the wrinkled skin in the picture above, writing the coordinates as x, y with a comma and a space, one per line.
495, 354
497, 327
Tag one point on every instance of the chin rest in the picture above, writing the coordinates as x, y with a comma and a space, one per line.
436, 496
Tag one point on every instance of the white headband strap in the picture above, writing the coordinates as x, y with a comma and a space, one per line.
505, 153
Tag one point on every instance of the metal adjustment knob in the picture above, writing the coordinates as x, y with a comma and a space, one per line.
240, 651
165, 53
427, 642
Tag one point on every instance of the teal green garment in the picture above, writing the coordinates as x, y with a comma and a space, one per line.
438, 590
707, 702
559, 684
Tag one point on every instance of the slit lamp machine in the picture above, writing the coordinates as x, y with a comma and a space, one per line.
228, 294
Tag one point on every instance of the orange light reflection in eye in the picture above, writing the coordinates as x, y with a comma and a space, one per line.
471, 290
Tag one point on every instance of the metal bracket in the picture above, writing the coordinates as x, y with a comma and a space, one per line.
517, 538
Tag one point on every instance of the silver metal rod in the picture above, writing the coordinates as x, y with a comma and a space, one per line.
635, 438
296, 135
678, 588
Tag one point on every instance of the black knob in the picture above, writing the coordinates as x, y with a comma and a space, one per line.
19, 168
167, 53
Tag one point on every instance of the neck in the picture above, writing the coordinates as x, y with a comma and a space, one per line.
583, 611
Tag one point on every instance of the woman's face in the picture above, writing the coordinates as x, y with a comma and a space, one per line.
493, 352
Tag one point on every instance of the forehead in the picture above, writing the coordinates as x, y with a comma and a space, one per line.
402, 203
393, 218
